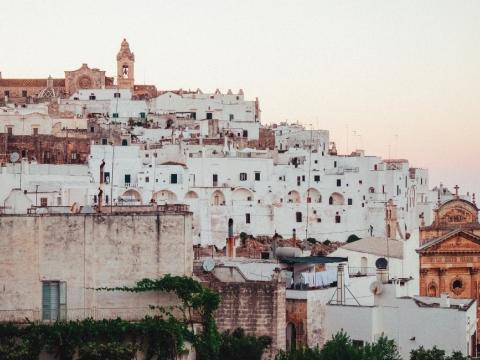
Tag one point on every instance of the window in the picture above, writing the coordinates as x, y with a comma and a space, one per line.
59, 201
124, 142
24, 93
7, 93
106, 199
193, 115
54, 300
173, 179
334, 164
257, 175
316, 178
245, 133
127, 179
106, 177
209, 115
147, 179
35, 131
92, 129
74, 156
94, 199
215, 179
116, 95
299, 180
43, 202
92, 97
231, 117
316, 162
243, 176
303, 178
115, 115
350, 201
142, 115
10, 131
337, 218
104, 141
247, 218
339, 182
298, 216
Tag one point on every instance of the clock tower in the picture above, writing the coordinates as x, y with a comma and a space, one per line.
125, 66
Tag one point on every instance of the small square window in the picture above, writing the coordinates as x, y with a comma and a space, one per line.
339, 182
298, 216
350, 201
257, 176
243, 176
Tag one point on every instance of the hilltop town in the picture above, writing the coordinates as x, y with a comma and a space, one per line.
105, 182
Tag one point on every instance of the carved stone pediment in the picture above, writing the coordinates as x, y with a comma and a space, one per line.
456, 212
457, 241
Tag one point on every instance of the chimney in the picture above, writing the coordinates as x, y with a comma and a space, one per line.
100, 189
340, 284
444, 300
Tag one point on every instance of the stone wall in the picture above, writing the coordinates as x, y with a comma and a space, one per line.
46, 149
88, 251
256, 306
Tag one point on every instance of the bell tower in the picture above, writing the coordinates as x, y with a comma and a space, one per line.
125, 66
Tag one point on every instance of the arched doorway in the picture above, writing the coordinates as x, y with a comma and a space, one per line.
291, 337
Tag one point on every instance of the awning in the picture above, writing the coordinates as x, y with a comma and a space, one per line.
313, 259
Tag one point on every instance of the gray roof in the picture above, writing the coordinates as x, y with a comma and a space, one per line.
377, 246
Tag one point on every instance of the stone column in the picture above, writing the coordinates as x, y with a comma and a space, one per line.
423, 282
474, 282
442, 279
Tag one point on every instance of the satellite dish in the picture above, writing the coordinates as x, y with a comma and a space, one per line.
381, 263
376, 287
208, 265
14, 156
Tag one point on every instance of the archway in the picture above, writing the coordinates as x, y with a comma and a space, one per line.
217, 198
242, 194
164, 195
191, 195
131, 196
291, 336
314, 196
294, 197
336, 199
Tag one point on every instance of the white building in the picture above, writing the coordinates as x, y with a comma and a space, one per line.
448, 324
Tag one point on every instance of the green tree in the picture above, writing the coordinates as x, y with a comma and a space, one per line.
238, 346
434, 354
352, 238
382, 349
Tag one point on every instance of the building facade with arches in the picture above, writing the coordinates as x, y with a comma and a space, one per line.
450, 252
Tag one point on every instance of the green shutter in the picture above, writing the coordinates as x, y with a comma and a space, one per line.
50, 300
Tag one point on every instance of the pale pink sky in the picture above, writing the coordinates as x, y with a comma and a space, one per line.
404, 75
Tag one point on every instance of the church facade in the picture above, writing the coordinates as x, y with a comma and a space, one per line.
22, 91
449, 252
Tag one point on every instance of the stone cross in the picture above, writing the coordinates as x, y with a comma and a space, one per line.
456, 187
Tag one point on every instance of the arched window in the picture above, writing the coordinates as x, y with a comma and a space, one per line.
432, 290
363, 265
